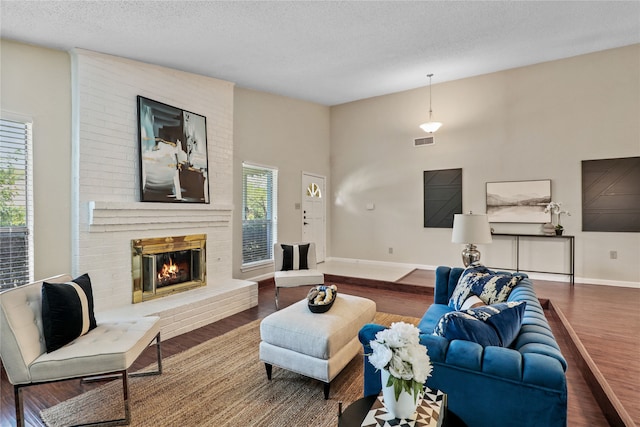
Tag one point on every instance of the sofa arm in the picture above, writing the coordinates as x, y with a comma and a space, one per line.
372, 382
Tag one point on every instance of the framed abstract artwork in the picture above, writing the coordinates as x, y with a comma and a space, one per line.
442, 197
173, 154
519, 201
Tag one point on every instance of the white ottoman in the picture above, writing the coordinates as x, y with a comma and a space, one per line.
317, 345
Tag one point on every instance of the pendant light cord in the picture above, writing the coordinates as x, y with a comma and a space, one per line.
430, 110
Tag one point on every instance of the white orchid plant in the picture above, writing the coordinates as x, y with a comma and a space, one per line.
556, 209
398, 350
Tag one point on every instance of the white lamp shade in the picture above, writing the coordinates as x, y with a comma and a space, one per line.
430, 127
471, 228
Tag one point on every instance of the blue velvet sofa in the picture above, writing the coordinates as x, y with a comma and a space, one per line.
523, 385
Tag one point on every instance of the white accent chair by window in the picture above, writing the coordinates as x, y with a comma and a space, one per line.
292, 268
110, 348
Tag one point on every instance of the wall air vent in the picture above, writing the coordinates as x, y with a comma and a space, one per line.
419, 142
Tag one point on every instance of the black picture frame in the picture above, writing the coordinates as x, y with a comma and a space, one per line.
174, 164
442, 197
611, 195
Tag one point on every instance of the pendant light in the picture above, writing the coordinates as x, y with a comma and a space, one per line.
430, 126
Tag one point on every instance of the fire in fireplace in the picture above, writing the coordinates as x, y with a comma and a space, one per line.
162, 266
173, 267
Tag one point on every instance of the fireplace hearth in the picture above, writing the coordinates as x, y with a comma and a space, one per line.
166, 265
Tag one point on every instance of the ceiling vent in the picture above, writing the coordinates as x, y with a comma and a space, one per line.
427, 140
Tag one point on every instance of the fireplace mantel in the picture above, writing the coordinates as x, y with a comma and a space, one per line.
120, 216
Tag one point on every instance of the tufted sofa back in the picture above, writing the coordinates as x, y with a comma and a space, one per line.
446, 281
21, 334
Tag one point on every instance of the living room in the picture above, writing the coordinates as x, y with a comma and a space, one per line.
533, 122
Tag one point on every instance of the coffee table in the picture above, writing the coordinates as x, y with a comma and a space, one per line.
433, 409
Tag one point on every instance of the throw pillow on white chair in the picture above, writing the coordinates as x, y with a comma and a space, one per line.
295, 265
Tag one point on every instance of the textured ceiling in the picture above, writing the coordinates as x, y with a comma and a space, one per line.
328, 52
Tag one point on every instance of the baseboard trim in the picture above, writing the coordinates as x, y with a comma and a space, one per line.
535, 276
382, 263
357, 281
380, 284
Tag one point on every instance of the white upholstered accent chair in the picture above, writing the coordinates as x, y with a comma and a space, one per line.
109, 349
289, 270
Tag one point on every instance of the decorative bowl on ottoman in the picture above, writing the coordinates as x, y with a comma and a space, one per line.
321, 298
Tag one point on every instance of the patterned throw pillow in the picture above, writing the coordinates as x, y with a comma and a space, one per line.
67, 311
490, 287
295, 257
496, 325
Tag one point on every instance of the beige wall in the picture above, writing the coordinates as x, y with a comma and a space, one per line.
536, 122
288, 134
36, 86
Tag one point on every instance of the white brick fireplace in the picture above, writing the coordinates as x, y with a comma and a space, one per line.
107, 214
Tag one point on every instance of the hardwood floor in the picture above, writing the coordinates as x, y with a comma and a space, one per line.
606, 320
606, 317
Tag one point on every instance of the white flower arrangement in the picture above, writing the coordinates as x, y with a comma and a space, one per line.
556, 209
398, 350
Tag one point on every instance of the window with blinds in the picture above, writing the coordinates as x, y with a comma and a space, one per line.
259, 213
15, 204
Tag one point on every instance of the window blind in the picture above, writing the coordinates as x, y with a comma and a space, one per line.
259, 213
15, 204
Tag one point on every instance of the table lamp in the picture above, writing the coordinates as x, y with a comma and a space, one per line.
470, 229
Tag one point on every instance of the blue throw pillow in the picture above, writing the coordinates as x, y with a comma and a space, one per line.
505, 318
489, 286
496, 325
458, 325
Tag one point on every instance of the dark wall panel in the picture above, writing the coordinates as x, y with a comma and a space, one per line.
442, 197
611, 195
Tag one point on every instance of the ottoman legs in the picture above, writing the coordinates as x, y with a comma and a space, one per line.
269, 368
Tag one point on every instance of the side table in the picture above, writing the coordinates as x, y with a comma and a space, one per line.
369, 411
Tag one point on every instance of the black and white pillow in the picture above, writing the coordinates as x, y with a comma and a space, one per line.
67, 311
295, 257
491, 287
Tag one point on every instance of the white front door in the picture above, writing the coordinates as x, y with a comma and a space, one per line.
313, 212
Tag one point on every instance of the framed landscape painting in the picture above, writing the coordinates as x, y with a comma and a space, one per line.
173, 154
519, 201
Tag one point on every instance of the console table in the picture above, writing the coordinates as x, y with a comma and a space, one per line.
572, 250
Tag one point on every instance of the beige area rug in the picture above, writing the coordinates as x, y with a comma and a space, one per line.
220, 382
